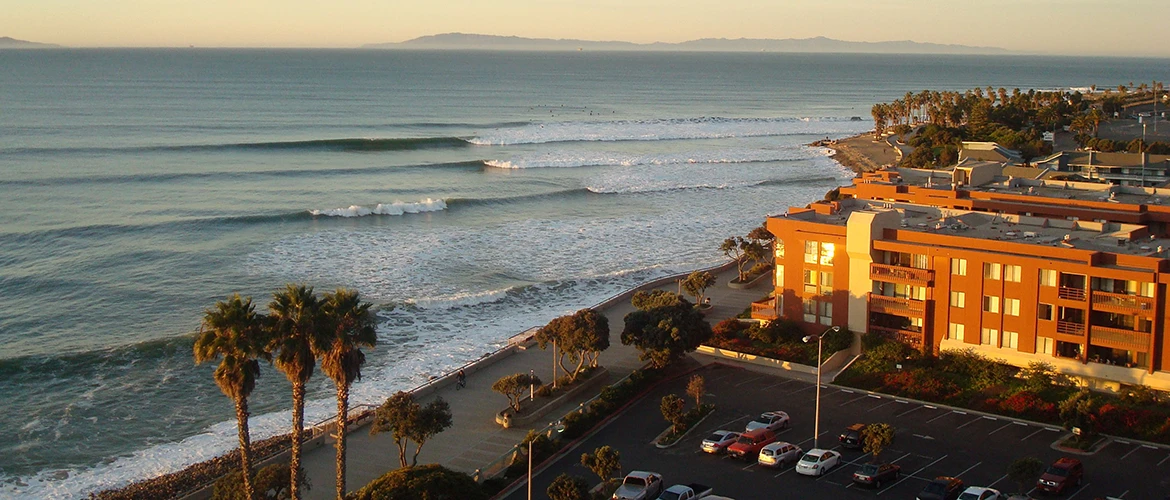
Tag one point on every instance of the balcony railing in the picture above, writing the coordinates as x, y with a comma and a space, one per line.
900, 274
765, 309
1120, 338
908, 337
1127, 303
1070, 328
896, 305
1071, 293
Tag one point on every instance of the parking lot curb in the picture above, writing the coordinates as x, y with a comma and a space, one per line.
680, 438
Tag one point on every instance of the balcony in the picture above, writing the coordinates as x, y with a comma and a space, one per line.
1120, 338
765, 309
908, 337
900, 274
1070, 328
896, 305
1070, 293
1121, 303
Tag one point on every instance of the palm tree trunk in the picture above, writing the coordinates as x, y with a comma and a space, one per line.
342, 422
245, 445
298, 418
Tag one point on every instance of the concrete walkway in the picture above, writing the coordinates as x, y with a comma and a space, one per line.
475, 440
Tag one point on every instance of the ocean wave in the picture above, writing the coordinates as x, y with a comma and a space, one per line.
668, 185
349, 144
668, 129
569, 159
396, 208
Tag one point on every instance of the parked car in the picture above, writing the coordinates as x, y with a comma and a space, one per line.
749, 444
639, 485
718, 441
1061, 475
876, 474
691, 491
817, 462
980, 493
779, 453
851, 437
772, 420
941, 488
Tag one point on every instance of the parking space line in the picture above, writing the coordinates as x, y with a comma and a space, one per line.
1020, 424
1123, 494
1150, 446
1082, 488
875, 396
992, 485
941, 416
907, 412
1005, 426
931, 407
1051, 429
969, 469
847, 390
801, 444
789, 381
1122, 441
841, 466
803, 389
976, 419
908, 476
750, 465
959, 412
748, 381
729, 422
858, 398
1135, 448
881, 405
988, 417
1163, 461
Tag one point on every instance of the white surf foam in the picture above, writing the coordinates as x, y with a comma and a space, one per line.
396, 208
669, 129
570, 158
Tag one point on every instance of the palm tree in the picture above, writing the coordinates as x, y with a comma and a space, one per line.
349, 327
295, 322
232, 331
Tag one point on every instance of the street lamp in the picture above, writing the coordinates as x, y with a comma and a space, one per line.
817, 417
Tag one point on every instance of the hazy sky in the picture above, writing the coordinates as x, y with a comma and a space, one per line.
1113, 27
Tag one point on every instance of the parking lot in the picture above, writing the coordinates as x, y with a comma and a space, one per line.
930, 441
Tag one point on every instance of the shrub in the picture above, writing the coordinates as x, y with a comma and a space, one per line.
1028, 404
425, 482
270, 482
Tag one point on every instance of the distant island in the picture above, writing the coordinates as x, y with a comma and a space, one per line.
12, 43
462, 41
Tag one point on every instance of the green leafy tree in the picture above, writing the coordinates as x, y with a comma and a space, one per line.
696, 387
566, 487
876, 437
664, 328
697, 284
425, 482
1024, 471
604, 461
348, 326
406, 420
762, 235
756, 252
733, 249
233, 333
513, 386
1077, 412
582, 335
296, 334
672, 410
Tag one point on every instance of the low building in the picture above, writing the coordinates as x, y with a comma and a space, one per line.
1126, 169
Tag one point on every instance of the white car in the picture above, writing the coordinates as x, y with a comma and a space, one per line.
980, 493
779, 453
817, 462
772, 420
718, 441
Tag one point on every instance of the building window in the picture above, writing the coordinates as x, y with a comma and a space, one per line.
1011, 340
955, 331
959, 299
1011, 307
1147, 290
778, 245
991, 270
1044, 345
810, 252
959, 267
918, 261
990, 303
827, 250
1048, 277
810, 311
780, 276
825, 311
1044, 311
989, 336
826, 283
810, 282
1011, 273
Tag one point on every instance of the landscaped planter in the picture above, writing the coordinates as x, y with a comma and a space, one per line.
751, 282
532, 411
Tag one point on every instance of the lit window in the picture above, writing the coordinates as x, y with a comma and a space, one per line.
990, 303
959, 267
1011, 273
955, 331
991, 270
1044, 345
1147, 290
989, 336
1047, 277
810, 252
959, 299
780, 276
1011, 307
827, 250
918, 261
1011, 340
826, 283
778, 244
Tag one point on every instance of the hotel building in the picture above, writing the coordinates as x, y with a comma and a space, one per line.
1018, 269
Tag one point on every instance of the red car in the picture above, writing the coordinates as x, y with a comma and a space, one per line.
1063, 474
750, 443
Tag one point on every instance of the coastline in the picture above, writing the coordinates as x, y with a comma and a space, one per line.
860, 153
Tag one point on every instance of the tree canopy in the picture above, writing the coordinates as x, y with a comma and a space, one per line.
581, 335
513, 386
876, 437
665, 327
424, 482
697, 284
406, 420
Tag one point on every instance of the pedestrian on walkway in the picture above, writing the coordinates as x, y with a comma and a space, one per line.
460, 380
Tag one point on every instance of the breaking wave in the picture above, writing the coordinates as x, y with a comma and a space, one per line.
396, 208
669, 129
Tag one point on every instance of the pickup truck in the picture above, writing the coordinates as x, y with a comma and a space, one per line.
639, 485
686, 492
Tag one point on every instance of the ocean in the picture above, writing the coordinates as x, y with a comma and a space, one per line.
468, 195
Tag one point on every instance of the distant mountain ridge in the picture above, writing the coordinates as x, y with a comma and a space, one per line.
462, 41
7, 42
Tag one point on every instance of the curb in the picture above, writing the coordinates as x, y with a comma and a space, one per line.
680, 438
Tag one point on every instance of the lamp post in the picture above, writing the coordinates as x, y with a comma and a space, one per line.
817, 415
531, 385
530, 469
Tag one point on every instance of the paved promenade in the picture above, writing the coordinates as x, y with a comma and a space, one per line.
475, 439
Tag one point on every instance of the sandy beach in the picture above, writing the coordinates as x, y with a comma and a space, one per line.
861, 153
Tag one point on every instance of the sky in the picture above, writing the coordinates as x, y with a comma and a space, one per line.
1073, 27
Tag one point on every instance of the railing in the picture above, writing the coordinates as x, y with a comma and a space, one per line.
900, 274
910, 337
1070, 328
1122, 301
1120, 338
765, 309
896, 305
1071, 293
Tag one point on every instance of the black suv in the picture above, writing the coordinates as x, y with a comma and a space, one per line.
942, 488
876, 474
851, 438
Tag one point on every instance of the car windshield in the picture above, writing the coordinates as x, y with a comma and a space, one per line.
869, 469
968, 496
717, 438
744, 440
1057, 471
767, 453
635, 481
669, 495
